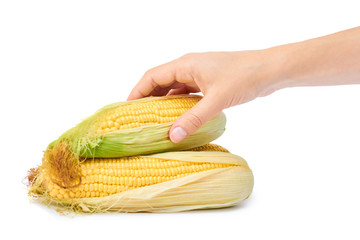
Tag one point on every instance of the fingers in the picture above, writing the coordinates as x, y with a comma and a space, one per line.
161, 76
194, 118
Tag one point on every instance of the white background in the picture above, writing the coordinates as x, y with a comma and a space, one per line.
62, 60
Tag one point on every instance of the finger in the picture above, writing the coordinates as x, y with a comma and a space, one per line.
163, 76
183, 90
194, 118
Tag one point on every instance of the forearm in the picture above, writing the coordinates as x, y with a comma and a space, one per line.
328, 60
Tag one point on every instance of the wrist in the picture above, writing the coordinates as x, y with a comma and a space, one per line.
287, 65
271, 73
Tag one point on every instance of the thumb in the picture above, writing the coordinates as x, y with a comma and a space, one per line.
194, 118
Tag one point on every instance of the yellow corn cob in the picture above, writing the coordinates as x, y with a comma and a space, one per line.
115, 184
137, 127
103, 177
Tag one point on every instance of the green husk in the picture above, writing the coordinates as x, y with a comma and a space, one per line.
84, 142
149, 139
216, 188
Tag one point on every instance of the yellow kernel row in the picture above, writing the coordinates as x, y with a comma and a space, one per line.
138, 114
128, 172
134, 163
126, 181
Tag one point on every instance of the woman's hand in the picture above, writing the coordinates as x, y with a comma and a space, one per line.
225, 78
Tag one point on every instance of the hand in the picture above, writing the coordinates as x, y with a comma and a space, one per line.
230, 78
225, 78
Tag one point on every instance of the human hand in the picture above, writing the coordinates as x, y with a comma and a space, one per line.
225, 78
230, 78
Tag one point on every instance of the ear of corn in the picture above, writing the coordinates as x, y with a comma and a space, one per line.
137, 127
163, 182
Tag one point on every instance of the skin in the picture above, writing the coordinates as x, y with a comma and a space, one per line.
230, 78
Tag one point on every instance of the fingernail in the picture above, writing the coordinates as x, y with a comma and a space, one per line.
177, 134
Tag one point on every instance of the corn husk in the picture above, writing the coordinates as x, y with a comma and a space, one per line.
216, 188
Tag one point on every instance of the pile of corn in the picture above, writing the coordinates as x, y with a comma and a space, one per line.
121, 159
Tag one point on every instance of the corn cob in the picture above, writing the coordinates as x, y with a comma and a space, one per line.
128, 168
127, 129
137, 127
164, 182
